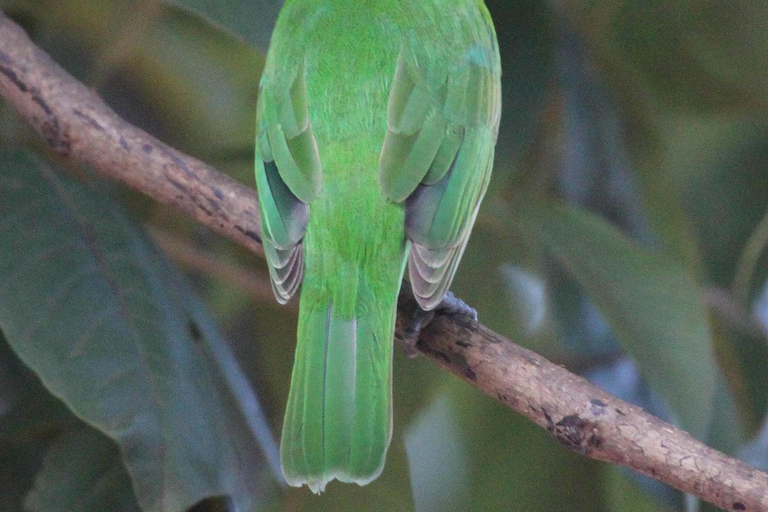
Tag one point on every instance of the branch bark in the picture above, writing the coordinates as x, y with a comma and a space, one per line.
77, 125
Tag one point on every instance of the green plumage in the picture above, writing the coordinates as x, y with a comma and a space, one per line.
376, 126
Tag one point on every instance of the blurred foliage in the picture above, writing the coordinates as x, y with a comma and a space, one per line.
623, 236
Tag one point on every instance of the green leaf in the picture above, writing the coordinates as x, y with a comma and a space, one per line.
741, 349
251, 20
201, 85
82, 472
437, 456
33, 425
651, 302
514, 465
622, 495
29, 418
90, 306
527, 35
701, 59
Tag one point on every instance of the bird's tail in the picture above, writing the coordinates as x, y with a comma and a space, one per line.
338, 421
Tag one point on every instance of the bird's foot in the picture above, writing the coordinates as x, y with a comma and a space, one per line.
450, 306
419, 320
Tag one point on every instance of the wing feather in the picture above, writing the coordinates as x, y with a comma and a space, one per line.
288, 177
437, 157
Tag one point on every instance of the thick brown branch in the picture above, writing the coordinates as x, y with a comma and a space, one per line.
583, 417
78, 125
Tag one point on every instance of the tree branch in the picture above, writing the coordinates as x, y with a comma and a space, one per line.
78, 125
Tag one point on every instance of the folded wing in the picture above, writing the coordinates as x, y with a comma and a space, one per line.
288, 177
437, 156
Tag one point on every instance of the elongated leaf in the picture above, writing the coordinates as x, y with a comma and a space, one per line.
29, 418
251, 20
526, 31
88, 304
622, 495
82, 472
32, 427
741, 349
700, 59
651, 302
513, 465
437, 458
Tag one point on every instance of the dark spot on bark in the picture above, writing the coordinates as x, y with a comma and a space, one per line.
597, 407
178, 185
574, 432
456, 362
218, 193
43, 105
147, 149
464, 344
12, 76
739, 506
50, 128
550, 423
532, 408
250, 234
181, 164
188, 195
91, 121
619, 412
124, 144
214, 204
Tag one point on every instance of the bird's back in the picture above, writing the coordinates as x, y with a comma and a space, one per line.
360, 100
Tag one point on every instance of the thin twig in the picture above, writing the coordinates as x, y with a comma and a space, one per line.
78, 125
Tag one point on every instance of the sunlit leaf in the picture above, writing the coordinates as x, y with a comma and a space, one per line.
653, 305
92, 308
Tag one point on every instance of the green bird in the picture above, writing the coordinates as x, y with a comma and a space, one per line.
377, 121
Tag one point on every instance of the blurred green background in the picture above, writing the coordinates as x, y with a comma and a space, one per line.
623, 237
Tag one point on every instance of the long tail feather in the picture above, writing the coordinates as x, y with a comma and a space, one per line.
338, 422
